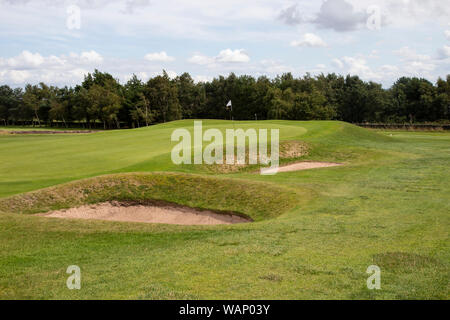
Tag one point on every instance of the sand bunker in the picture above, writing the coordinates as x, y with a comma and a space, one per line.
307, 165
167, 214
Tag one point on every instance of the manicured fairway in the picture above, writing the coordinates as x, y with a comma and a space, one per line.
389, 205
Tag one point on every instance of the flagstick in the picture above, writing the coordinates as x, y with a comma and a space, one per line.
232, 119
230, 104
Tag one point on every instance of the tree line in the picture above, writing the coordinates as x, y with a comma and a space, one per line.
102, 101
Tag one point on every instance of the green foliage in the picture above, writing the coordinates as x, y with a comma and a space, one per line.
162, 93
191, 96
104, 104
100, 100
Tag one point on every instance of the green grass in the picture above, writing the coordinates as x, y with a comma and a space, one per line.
315, 234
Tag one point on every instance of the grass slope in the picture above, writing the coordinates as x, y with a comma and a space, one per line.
388, 206
254, 199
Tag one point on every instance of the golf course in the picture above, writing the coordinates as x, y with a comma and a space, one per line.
308, 234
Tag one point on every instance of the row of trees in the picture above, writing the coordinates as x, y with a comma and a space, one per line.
100, 100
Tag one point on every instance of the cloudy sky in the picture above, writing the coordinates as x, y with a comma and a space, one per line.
58, 41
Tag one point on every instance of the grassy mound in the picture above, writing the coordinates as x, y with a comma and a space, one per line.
255, 199
32, 162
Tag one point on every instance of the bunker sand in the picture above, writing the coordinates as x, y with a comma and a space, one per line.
165, 214
307, 165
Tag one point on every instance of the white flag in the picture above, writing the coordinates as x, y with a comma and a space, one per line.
230, 105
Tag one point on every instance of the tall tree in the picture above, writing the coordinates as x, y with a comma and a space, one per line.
191, 96
133, 99
104, 104
442, 103
162, 93
32, 101
7, 103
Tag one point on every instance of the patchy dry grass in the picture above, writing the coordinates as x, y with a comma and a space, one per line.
405, 262
288, 151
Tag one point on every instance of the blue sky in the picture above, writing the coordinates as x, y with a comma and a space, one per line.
59, 41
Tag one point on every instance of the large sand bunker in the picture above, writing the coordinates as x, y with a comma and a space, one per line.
154, 213
307, 165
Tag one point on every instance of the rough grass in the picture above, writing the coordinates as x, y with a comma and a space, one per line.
288, 151
405, 262
389, 205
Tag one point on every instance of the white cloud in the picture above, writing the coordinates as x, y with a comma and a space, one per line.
351, 15
390, 73
229, 55
415, 64
419, 67
29, 67
201, 59
358, 66
24, 60
389, 68
18, 76
201, 78
309, 40
132, 5
159, 56
251, 24
338, 63
91, 57
172, 74
414, 12
409, 54
273, 67
444, 52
